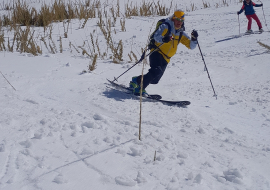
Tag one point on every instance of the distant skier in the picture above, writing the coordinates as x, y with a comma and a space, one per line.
167, 36
250, 14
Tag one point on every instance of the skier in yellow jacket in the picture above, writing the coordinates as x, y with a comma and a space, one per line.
164, 44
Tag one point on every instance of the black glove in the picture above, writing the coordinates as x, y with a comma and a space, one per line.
238, 13
166, 39
262, 4
194, 35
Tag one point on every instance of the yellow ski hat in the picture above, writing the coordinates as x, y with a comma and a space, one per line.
179, 15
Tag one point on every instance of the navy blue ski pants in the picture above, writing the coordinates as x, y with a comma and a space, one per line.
157, 67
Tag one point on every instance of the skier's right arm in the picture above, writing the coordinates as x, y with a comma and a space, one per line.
159, 34
242, 9
258, 5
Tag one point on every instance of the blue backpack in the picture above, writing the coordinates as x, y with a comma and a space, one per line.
151, 44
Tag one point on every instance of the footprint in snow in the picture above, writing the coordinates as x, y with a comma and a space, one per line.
2, 148
38, 136
89, 125
182, 155
233, 175
198, 179
26, 144
125, 181
135, 151
140, 178
31, 101
98, 117
59, 179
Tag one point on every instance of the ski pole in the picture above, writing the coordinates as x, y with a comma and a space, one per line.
239, 25
7, 80
264, 19
207, 70
264, 16
141, 59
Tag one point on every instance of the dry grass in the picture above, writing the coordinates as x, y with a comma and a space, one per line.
107, 33
2, 42
123, 24
205, 4
264, 45
61, 45
147, 9
225, 3
94, 62
17, 35
24, 15
25, 41
193, 7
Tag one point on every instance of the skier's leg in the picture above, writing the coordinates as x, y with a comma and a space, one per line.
157, 67
255, 17
160, 70
249, 21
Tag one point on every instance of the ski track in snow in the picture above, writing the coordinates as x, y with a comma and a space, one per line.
62, 129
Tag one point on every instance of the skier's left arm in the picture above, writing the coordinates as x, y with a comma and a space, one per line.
257, 5
190, 43
241, 10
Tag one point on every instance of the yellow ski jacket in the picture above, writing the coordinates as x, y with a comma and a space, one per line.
169, 49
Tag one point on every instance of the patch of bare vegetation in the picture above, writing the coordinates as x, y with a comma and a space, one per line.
26, 29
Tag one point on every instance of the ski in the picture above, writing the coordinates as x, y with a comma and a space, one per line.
153, 97
239, 35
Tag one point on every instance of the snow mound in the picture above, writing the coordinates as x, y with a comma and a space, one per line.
125, 181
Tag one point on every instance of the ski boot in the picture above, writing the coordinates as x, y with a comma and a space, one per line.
133, 83
137, 90
136, 87
249, 32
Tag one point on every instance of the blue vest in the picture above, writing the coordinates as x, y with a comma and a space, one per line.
249, 10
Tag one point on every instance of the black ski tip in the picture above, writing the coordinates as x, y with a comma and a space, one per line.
182, 103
